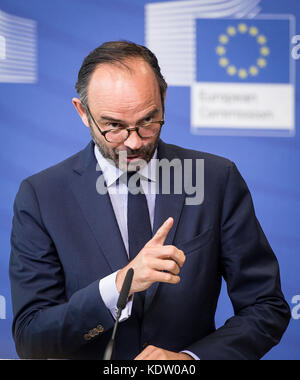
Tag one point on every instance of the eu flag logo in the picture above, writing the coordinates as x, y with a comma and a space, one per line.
243, 50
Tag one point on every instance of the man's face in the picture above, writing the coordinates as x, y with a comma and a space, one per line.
118, 96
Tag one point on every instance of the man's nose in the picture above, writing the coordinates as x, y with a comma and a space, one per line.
133, 141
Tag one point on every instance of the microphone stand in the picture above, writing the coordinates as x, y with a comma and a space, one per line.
120, 305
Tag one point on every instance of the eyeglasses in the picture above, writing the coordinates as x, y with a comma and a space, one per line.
146, 129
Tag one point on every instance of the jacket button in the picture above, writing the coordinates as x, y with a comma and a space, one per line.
87, 337
100, 328
93, 332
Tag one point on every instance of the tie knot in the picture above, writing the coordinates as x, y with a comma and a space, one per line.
132, 180
129, 177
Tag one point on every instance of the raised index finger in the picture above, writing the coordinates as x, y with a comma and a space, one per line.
161, 234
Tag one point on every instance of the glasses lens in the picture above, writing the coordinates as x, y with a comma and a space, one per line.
117, 135
149, 130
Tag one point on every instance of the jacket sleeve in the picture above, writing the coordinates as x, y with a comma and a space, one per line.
46, 323
251, 272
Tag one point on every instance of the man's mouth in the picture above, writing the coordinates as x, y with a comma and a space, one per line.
133, 158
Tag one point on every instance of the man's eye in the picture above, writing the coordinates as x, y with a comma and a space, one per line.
113, 125
147, 120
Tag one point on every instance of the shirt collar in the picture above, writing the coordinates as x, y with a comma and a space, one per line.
112, 173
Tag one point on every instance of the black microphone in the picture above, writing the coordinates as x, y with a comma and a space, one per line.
122, 300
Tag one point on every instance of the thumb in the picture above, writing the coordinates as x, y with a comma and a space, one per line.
161, 234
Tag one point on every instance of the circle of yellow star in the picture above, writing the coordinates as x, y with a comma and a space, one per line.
220, 50
264, 51
261, 39
231, 31
253, 70
261, 61
223, 39
231, 70
223, 62
242, 73
242, 28
253, 31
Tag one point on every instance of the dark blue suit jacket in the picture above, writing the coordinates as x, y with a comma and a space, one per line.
65, 238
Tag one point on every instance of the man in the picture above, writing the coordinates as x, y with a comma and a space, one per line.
72, 242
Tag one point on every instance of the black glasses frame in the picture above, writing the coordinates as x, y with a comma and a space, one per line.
103, 133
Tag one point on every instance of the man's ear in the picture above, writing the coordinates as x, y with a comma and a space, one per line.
81, 111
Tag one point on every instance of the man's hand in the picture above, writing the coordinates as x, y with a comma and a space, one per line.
156, 353
156, 262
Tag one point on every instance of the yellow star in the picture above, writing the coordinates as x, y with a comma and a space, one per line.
223, 62
242, 28
264, 51
231, 31
231, 70
223, 39
253, 31
253, 70
242, 73
261, 39
261, 62
220, 50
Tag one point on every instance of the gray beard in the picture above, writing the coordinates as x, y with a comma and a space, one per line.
114, 157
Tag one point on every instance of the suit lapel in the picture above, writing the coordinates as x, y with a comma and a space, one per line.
166, 205
97, 209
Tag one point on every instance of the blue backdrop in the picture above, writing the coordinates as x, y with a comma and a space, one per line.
39, 127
